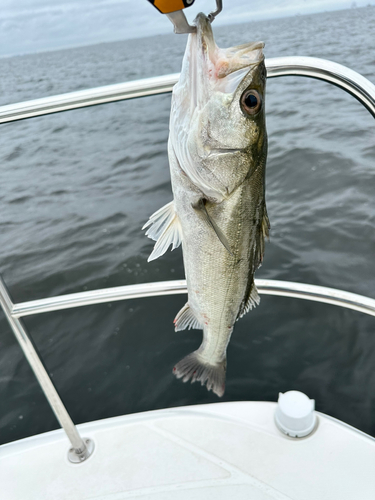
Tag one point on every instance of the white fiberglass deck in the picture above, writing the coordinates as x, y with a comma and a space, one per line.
211, 452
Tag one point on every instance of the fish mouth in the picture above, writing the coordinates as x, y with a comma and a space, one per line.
207, 69
219, 66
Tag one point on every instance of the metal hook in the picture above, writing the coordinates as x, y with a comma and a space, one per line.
219, 7
181, 24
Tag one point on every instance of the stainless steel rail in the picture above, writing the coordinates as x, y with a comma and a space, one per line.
341, 76
81, 449
345, 78
89, 97
358, 86
265, 287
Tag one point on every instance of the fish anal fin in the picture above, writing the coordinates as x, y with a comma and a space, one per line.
164, 227
201, 206
186, 319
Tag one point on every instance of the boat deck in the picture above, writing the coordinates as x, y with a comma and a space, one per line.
217, 451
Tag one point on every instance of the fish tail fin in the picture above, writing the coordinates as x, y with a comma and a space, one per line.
196, 368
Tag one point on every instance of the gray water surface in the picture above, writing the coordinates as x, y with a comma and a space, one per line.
76, 188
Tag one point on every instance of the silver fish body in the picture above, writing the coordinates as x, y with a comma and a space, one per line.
217, 153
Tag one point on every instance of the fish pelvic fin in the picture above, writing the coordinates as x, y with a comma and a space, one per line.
195, 368
252, 300
186, 319
209, 220
164, 227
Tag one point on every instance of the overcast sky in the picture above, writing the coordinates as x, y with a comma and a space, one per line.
38, 25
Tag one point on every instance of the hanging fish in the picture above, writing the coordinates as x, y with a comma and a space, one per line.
217, 153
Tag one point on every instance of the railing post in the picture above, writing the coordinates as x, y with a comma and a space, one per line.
81, 448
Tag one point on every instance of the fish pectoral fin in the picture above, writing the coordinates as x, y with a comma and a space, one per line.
219, 233
251, 300
186, 319
164, 227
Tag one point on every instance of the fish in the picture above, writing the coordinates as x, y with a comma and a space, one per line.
217, 150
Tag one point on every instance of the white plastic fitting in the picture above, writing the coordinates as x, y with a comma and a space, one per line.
295, 414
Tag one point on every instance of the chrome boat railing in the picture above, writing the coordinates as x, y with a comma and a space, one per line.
350, 81
341, 76
265, 287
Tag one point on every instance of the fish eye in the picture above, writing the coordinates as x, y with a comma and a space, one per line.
251, 102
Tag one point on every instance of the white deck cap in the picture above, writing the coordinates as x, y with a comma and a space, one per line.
295, 414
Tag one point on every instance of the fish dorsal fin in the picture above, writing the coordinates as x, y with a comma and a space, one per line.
252, 301
219, 233
163, 227
186, 319
264, 235
266, 225
252, 298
